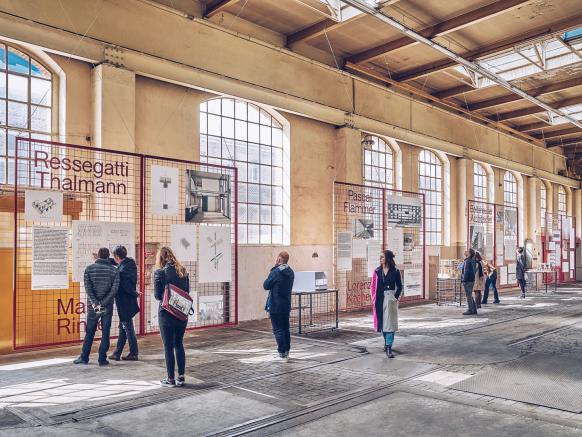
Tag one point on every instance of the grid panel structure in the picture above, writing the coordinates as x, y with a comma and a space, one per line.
493, 230
314, 311
110, 190
543, 205
430, 183
239, 134
375, 218
561, 201
26, 89
98, 186
378, 162
199, 206
568, 246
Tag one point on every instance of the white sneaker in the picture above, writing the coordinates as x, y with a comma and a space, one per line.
281, 358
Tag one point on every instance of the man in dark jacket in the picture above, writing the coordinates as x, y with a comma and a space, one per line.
468, 280
520, 270
101, 281
127, 306
279, 283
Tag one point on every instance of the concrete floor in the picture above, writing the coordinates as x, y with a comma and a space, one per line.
507, 372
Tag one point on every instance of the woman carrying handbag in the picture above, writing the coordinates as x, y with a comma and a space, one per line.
171, 278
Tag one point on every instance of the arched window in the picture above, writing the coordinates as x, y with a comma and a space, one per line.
561, 201
509, 189
480, 183
543, 204
241, 134
378, 162
26, 90
431, 185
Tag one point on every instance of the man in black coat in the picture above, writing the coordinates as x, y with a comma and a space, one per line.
468, 280
127, 306
520, 270
279, 283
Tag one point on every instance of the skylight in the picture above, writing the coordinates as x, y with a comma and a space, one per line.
574, 111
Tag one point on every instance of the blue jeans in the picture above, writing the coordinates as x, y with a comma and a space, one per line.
388, 338
92, 321
468, 286
491, 282
280, 324
126, 334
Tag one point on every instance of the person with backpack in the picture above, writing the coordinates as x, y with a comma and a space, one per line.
479, 279
468, 281
172, 329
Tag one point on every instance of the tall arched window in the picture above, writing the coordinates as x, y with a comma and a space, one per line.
378, 162
562, 209
543, 204
509, 189
26, 88
431, 185
480, 183
241, 134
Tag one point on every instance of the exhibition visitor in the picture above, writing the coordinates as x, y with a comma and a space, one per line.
385, 291
127, 306
520, 270
479, 279
490, 282
468, 281
279, 284
171, 272
101, 281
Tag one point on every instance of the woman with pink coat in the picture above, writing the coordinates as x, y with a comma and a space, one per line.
385, 290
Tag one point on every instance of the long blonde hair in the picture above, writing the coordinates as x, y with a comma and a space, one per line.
164, 256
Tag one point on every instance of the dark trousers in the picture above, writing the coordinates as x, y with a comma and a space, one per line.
126, 334
280, 324
491, 282
522, 285
92, 321
172, 331
472, 308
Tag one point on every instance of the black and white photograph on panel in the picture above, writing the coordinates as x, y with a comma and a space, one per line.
363, 228
207, 197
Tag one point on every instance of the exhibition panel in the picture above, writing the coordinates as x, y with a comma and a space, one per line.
70, 200
368, 220
559, 247
493, 231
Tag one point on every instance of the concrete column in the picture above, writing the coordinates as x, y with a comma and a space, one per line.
498, 185
533, 229
577, 201
463, 187
348, 156
113, 108
410, 167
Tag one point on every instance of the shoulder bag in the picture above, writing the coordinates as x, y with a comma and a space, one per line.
177, 302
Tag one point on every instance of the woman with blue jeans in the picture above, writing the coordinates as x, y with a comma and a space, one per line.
385, 291
491, 281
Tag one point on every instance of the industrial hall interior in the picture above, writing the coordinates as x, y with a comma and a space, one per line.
291, 218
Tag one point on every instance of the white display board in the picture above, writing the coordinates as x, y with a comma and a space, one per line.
413, 282
43, 205
165, 185
395, 243
184, 242
210, 308
374, 249
90, 236
215, 247
359, 248
503, 275
344, 251
50, 258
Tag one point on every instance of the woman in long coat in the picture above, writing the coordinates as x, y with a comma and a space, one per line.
479, 279
385, 290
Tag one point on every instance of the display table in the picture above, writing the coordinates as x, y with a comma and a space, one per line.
545, 274
313, 311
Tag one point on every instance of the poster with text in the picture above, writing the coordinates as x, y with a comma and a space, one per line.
572, 238
50, 258
90, 236
215, 260
344, 251
413, 282
184, 242
503, 275
211, 308
403, 211
374, 249
165, 184
395, 243
511, 272
43, 205
565, 267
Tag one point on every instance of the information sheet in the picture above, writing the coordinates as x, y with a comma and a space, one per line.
50, 258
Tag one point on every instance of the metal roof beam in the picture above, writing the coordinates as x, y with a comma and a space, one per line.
218, 6
537, 109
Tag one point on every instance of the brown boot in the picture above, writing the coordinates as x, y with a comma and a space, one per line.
477, 298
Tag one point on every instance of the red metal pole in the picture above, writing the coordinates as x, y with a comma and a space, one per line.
142, 244
236, 245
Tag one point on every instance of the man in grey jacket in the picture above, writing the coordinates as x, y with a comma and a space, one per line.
101, 283
468, 280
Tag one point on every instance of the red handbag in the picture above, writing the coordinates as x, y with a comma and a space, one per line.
177, 302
